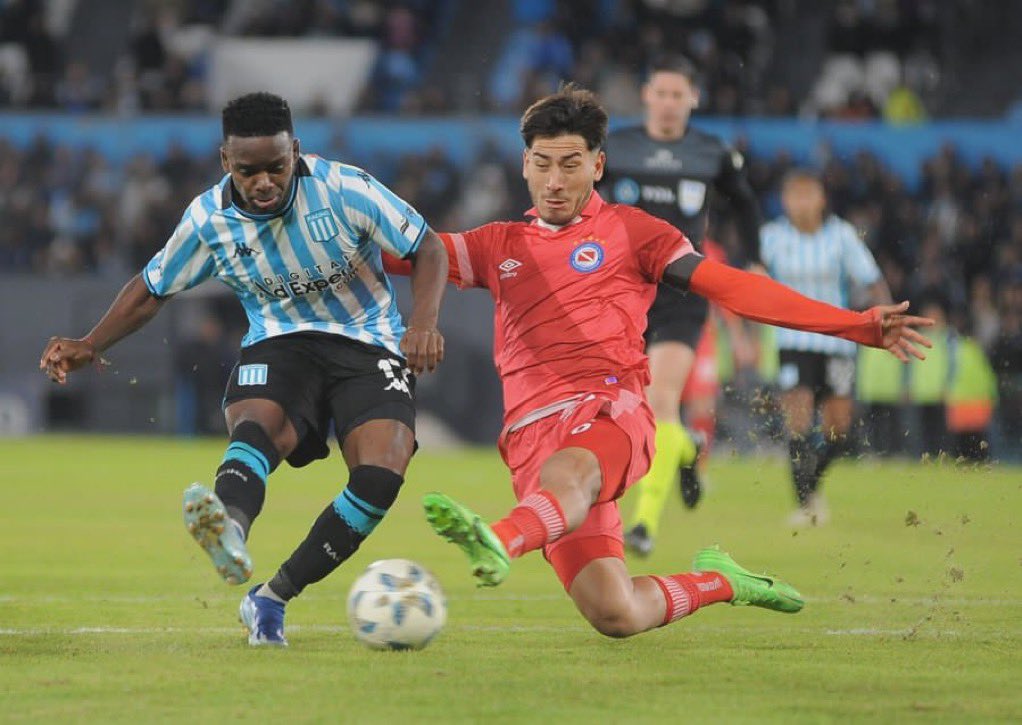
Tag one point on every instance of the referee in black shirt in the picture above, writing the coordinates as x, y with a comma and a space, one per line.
667, 168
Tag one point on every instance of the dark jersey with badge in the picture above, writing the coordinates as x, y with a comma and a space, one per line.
673, 179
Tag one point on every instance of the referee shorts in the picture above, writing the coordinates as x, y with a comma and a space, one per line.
676, 317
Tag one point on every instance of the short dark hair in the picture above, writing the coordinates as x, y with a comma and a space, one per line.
801, 173
572, 110
257, 114
675, 63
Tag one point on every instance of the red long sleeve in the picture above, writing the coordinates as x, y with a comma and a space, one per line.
760, 298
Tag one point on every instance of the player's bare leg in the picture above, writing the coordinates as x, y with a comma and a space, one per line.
615, 603
670, 364
618, 604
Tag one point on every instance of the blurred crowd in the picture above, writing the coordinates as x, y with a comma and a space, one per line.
69, 211
954, 244
878, 57
882, 58
165, 64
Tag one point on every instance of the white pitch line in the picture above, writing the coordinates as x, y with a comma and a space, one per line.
859, 599
130, 599
73, 631
874, 632
328, 628
923, 632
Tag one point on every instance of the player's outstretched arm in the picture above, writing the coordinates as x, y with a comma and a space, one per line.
133, 307
423, 345
760, 298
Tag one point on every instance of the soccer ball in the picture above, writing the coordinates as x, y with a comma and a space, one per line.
396, 604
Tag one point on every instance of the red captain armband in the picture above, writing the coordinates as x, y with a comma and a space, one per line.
759, 298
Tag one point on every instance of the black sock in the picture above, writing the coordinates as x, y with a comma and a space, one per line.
241, 479
339, 530
832, 449
803, 467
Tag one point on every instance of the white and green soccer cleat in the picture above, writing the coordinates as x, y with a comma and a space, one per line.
207, 521
756, 590
459, 525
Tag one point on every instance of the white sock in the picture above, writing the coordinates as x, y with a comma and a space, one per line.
265, 591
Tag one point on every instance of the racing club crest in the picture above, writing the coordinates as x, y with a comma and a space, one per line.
322, 225
587, 257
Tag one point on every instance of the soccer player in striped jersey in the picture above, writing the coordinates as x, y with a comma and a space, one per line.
298, 239
822, 257
572, 288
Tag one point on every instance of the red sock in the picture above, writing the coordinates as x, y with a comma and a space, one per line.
685, 593
536, 521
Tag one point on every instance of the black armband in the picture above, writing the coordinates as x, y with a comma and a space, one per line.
679, 273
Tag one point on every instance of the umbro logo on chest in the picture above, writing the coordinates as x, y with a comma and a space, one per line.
507, 268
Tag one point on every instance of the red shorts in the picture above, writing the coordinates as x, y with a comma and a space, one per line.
618, 428
703, 381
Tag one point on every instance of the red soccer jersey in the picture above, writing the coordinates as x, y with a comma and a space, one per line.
571, 303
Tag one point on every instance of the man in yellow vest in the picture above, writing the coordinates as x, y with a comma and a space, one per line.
881, 389
971, 400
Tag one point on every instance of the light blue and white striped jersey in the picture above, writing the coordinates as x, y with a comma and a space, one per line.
823, 266
316, 265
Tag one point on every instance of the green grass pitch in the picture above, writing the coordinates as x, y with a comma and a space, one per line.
109, 612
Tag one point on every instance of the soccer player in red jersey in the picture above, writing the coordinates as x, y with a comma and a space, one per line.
572, 288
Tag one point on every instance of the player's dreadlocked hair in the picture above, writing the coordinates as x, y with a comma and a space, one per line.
257, 114
572, 110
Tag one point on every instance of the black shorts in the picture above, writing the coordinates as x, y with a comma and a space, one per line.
319, 378
826, 375
676, 317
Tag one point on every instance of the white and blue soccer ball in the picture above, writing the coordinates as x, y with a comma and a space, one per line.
396, 604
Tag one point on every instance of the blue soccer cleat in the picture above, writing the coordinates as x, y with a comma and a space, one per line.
264, 618
207, 521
